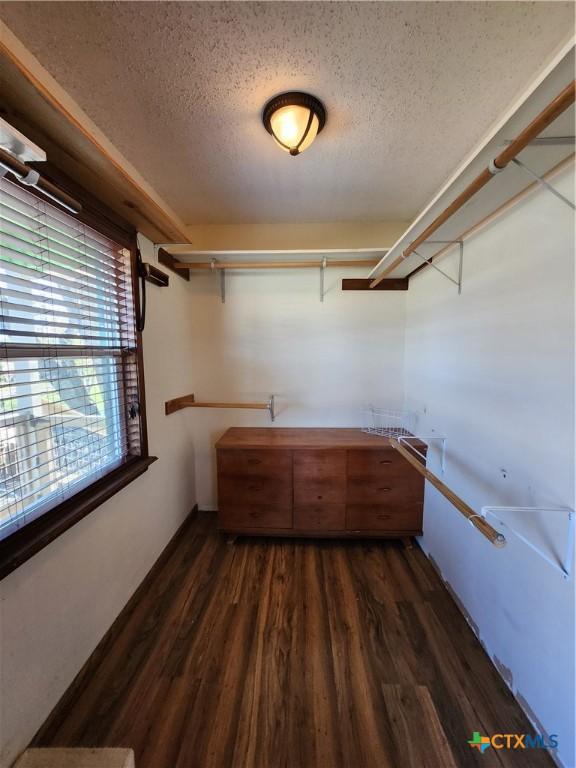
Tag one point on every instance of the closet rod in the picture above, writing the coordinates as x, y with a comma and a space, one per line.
495, 213
494, 536
208, 265
540, 122
29, 177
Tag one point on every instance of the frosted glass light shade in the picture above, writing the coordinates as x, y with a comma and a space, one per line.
290, 128
294, 120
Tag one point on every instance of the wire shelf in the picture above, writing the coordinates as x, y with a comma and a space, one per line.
388, 422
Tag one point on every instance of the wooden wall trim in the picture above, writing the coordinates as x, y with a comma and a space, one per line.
168, 261
20, 546
363, 284
108, 640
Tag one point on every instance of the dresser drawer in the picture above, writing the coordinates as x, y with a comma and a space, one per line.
384, 517
325, 491
254, 462
396, 489
255, 489
234, 516
319, 476
377, 463
323, 517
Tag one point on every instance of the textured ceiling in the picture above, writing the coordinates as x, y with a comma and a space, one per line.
410, 87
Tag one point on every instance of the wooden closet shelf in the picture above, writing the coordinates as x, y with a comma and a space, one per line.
189, 401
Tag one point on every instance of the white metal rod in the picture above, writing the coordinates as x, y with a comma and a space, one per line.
401, 439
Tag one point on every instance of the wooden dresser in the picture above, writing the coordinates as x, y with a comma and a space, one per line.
316, 482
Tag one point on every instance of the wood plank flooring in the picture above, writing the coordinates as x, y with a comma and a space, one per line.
291, 654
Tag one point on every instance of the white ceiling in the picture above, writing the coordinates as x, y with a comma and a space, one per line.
178, 87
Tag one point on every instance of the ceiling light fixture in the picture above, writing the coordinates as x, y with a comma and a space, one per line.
294, 119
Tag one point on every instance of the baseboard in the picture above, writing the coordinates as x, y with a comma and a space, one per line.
76, 757
520, 700
111, 634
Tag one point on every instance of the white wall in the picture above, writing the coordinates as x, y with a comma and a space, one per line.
493, 370
323, 361
57, 606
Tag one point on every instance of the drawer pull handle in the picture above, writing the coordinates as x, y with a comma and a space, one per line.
383, 517
385, 461
253, 487
256, 514
320, 497
384, 489
254, 461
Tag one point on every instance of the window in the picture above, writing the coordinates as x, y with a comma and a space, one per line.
70, 410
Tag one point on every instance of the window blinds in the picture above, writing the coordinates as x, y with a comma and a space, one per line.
69, 403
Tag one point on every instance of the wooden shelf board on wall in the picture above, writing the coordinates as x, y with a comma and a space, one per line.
363, 284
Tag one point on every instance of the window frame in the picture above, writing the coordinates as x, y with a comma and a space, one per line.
27, 541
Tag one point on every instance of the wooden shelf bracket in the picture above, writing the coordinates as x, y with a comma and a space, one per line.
189, 401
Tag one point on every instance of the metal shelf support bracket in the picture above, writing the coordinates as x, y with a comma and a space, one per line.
424, 438
222, 278
544, 183
223, 285
564, 565
271, 408
430, 263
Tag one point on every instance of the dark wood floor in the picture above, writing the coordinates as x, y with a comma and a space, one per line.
291, 654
